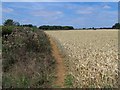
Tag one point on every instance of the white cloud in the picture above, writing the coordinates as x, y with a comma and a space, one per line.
44, 13
102, 19
84, 12
87, 10
106, 7
7, 10
47, 15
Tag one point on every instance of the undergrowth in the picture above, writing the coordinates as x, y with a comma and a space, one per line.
27, 59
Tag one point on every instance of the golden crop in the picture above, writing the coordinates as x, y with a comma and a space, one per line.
91, 56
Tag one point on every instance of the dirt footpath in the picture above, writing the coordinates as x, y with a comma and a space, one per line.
60, 68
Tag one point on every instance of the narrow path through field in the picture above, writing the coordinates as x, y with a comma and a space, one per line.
60, 68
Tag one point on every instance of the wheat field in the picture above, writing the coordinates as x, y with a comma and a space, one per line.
91, 56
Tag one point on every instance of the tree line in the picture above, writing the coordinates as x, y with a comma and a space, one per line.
47, 27
10, 22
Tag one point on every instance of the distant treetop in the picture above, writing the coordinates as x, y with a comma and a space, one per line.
116, 26
10, 22
47, 27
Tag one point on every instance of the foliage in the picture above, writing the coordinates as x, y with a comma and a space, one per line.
22, 81
69, 81
6, 30
10, 22
47, 27
28, 25
116, 26
27, 52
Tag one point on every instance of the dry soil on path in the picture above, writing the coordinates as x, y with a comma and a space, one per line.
60, 68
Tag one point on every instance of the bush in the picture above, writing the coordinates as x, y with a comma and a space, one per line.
28, 53
6, 30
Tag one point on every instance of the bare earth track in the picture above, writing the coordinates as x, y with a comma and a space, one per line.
60, 68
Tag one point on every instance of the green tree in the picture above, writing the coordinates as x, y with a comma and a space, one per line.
16, 24
116, 26
10, 22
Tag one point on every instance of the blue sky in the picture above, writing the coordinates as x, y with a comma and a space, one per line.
77, 14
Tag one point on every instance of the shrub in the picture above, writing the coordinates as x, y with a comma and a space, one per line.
6, 30
27, 52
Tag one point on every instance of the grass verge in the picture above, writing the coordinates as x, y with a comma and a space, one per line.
68, 81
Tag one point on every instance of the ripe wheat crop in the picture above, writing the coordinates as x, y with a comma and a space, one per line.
91, 56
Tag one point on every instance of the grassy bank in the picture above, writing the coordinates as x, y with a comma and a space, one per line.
27, 59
